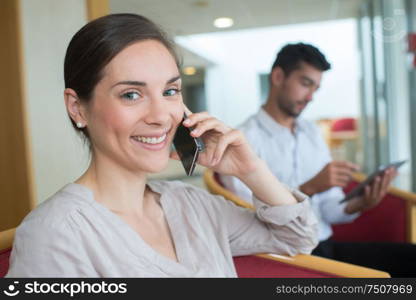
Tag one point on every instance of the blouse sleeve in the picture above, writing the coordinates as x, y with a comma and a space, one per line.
45, 250
286, 229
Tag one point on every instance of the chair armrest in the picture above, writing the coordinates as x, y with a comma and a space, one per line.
327, 266
215, 188
409, 198
6, 238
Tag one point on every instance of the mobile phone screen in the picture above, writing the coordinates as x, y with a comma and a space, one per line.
187, 147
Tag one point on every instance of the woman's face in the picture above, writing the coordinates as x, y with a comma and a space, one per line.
136, 108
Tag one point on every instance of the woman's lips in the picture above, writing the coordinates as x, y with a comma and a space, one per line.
151, 143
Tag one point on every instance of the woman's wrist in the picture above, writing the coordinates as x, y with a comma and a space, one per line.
252, 173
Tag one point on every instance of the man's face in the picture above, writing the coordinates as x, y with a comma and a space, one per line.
297, 89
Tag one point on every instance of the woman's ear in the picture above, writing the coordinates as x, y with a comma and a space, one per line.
74, 108
277, 76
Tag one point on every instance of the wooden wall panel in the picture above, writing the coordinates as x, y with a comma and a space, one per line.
16, 179
97, 8
411, 217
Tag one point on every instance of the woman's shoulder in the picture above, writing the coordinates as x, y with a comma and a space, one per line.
60, 209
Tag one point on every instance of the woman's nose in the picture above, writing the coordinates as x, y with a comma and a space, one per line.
157, 111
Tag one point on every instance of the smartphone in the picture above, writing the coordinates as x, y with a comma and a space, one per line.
187, 147
359, 189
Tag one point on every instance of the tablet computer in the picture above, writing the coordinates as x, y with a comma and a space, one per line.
359, 189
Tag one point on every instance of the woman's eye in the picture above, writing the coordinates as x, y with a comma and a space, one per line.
130, 96
171, 92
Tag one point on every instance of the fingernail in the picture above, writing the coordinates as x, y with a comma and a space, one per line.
195, 131
187, 122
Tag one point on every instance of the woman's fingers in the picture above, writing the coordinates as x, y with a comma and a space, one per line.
208, 124
193, 119
187, 110
203, 122
223, 142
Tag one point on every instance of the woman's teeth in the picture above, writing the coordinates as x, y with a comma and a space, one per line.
150, 140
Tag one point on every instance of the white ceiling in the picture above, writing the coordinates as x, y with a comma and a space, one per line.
183, 17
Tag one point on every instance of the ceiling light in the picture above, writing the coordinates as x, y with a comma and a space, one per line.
223, 22
201, 3
189, 71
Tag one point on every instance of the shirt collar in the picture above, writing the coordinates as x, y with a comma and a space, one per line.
272, 127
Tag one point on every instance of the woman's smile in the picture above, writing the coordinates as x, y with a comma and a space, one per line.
153, 142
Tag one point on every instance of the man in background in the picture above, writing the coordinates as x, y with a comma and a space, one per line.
297, 154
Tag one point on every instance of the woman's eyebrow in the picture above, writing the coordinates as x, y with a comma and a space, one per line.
130, 82
142, 83
173, 79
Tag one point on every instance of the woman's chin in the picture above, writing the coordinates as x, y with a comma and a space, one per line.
156, 167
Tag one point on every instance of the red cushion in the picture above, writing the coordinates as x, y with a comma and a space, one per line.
345, 124
4, 261
384, 223
254, 266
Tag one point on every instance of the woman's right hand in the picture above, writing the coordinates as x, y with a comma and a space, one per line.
228, 152
226, 149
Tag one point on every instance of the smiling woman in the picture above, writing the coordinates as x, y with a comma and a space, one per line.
133, 108
123, 94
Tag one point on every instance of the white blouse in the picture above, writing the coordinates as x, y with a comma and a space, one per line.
72, 235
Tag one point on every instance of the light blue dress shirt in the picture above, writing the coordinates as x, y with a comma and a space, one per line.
294, 158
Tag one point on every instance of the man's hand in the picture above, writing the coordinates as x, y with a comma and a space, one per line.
335, 173
373, 194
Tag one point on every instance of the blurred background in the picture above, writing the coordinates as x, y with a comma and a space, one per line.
364, 107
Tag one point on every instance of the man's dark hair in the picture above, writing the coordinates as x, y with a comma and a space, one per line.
291, 56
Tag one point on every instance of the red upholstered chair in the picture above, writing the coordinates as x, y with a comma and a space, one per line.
344, 124
6, 241
341, 131
270, 265
266, 266
393, 220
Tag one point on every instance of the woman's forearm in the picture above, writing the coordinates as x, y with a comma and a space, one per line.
266, 187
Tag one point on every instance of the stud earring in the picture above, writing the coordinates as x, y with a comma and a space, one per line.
80, 125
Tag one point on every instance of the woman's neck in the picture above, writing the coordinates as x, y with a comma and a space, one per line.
117, 188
